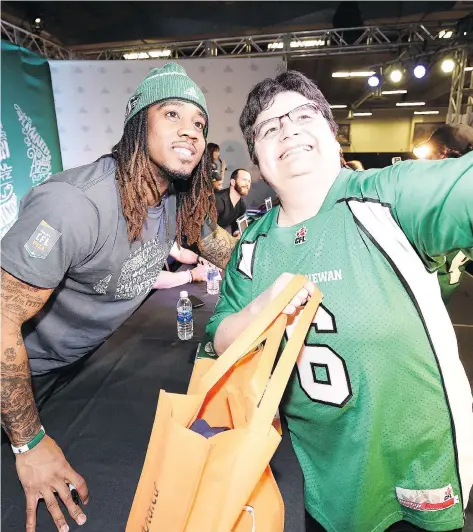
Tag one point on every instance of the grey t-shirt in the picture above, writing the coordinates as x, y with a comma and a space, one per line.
71, 235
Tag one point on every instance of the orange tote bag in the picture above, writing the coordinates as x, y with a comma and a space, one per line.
190, 483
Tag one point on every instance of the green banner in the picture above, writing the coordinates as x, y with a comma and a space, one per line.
29, 140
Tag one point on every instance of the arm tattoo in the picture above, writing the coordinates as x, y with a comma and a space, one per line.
19, 413
217, 247
20, 302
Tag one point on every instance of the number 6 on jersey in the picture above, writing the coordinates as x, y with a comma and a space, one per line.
316, 359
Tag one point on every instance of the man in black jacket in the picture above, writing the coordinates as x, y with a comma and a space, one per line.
230, 203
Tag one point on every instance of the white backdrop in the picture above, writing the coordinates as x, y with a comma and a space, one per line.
91, 97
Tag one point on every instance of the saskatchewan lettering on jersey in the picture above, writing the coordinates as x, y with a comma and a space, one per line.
324, 277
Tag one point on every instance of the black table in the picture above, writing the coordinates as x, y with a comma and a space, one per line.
102, 420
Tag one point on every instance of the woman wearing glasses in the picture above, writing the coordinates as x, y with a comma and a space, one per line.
379, 408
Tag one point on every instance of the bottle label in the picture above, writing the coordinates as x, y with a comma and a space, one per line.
212, 275
184, 316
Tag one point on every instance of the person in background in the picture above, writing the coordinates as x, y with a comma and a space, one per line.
354, 165
218, 166
379, 407
83, 255
217, 181
449, 142
230, 202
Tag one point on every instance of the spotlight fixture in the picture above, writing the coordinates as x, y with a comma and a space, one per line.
445, 34
373, 81
447, 65
37, 24
420, 71
396, 76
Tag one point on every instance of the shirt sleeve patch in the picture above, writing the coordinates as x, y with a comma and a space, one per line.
42, 241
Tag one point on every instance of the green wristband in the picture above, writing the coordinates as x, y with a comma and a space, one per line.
31, 444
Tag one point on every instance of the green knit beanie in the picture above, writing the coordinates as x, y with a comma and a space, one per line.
166, 83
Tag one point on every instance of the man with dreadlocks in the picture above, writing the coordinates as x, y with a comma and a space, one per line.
86, 250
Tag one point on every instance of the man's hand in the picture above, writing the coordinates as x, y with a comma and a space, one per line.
43, 471
199, 273
224, 167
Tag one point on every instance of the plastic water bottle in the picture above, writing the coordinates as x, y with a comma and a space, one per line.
213, 286
185, 323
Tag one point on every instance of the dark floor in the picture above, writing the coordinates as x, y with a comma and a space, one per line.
460, 309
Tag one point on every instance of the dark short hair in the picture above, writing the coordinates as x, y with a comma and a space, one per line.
211, 148
235, 172
454, 141
263, 94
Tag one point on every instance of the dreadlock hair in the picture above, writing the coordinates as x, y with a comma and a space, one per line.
135, 172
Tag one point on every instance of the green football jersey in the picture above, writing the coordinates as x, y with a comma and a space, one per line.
379, 407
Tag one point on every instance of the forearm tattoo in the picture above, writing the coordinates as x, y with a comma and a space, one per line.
20, 302
20, 418
217, 247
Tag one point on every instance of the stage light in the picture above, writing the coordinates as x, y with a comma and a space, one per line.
275, 46
136, 55
447, 65
445, 34
362, 114
37, 24
307, 44
396, 76
338, 106
373, 81
360, 74
420, 71
409, 104
159, 53
468, 69
400, 91
426, 112
422, 152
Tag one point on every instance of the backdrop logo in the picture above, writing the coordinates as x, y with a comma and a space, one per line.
8, 199
38, 150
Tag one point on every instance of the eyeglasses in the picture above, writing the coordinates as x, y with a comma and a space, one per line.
304, 114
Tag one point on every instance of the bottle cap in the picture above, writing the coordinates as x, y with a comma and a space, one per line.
184, 294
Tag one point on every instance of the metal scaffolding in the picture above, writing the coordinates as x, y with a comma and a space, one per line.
315, 43
415, 37
35, 43
460, 102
